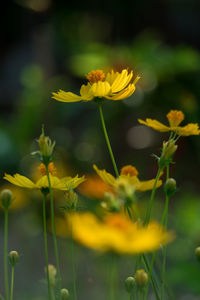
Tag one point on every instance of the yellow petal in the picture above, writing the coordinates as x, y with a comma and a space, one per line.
111, 76
100, 89
121, 81
66, 96
85, 92
72, 182
155, 125
123, 94
147, 185
105, 176
190, 129
20, 180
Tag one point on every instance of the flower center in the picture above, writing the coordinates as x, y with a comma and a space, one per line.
95, 76
175, 117
51, 168
117, 221
129, 171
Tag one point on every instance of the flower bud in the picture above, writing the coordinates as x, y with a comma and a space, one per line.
52, 274
13, 258
46, 147
168, 150
6, 198
71, 199
141, 278
64, 293
197, 253
170, 186
129, 284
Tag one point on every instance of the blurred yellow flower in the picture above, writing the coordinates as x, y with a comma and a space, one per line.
62, 184
94, 187
128, 174
112, 86
114, 233
175, 117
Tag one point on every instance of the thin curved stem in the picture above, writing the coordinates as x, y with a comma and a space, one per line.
150, 271
151, 276
164, 221
53, 227
6, 254
150, 204
45, 244
107, 139
12, 282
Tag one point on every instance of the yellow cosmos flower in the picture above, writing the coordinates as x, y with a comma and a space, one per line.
175, 117
128, 174
114, 233
112, 86
62, 184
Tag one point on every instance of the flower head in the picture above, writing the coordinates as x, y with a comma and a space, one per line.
114, 233
129, 176
63, 184
175, 117
112, 86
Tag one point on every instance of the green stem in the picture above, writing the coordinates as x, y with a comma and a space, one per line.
107, 139
150, 271
150, 276
164, 221
45, 244
141, 294
12, 283
6, 254
150, 204
54, 228
73, 265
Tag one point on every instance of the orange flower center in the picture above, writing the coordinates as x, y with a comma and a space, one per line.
51, 168
95, 76
117, 221
129, 171
175, 117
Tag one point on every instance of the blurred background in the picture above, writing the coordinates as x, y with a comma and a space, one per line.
49, 45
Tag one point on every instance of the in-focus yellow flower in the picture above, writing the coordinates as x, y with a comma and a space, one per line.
128, 174
62, 184
112, 86
114, 233
175, 117
94, 187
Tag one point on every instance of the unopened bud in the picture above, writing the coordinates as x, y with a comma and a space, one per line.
6, 198
141, 278
71, 199
197, 253
168, 150
52, 274
46, 147
170, 186
13, 258
129, 284
64, 293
